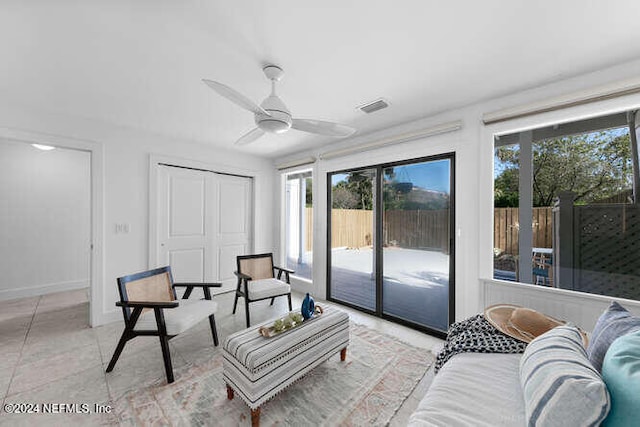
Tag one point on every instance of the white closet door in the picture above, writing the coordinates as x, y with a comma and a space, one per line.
186, 215
233, 229
204, 221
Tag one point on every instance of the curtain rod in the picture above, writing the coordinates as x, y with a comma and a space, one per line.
298, 162
396, 139
600, 93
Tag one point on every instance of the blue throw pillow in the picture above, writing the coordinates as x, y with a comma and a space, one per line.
613, 323
621, 374
560, 387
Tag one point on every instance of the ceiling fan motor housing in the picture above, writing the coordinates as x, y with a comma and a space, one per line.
279, 120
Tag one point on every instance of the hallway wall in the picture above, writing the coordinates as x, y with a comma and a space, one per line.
44, 221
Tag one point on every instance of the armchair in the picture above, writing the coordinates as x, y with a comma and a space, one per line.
150, 308
257, 281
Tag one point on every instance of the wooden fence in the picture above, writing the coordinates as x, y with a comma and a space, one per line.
506, 228
419, 229
597, 247
309, 229
353, 228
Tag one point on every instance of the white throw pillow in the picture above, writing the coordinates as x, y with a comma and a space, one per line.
561, 387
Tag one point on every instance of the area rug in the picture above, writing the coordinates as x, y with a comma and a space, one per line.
367, 389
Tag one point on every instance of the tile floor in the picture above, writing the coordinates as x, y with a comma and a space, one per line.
48, 353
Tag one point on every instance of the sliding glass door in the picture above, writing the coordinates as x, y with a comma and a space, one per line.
391, 246
352, 254
415, 252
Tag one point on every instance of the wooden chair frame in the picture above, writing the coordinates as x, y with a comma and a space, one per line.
131, 317
242, 290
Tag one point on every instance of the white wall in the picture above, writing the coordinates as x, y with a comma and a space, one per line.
121, 162
473, 147
122, 169
45, 221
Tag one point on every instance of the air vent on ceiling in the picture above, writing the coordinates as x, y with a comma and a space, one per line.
376, 105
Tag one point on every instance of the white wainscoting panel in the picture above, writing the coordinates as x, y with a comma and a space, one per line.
580, 308
187, 265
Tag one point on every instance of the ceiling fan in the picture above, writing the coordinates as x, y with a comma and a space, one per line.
272, 115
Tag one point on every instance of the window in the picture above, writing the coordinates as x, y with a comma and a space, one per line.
565, 206
299, 223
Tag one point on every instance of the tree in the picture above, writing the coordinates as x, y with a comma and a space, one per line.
356, 192
309, 192
342, 198
359, 185
594, 166
506, 189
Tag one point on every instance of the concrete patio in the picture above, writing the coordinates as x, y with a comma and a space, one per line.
415, 283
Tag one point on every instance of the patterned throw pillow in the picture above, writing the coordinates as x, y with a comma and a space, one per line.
621, 373
560, 386
614, 322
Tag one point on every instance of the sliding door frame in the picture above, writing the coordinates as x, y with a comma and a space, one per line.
378, 209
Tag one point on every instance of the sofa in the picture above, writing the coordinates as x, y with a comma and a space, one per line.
555, 382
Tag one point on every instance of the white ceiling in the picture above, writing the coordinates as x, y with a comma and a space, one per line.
140, 63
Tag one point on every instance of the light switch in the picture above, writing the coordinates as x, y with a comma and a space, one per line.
122, 228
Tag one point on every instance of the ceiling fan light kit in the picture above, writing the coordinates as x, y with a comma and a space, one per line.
272, 115
278, 119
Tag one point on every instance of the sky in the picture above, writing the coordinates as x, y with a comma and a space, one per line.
431, 175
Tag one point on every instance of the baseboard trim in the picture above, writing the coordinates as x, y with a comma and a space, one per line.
108, 317
33, 291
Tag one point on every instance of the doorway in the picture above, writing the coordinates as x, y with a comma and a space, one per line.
47, 233
298, 224
390, 247
203, 222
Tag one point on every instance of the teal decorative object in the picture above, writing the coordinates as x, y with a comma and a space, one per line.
308, 307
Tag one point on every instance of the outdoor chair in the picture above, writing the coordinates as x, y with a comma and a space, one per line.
150, 308
543, 270
257, 281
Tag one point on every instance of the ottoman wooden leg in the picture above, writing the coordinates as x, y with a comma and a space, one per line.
229, 393
255, 417
343, 354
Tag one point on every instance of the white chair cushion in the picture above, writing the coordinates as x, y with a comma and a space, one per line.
179, 319
266, 288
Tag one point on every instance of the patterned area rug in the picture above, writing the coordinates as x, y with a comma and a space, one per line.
367, 389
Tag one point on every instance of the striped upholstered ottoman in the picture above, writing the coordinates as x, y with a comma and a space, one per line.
258, 368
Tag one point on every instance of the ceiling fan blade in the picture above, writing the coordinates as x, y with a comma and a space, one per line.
250, 136
235, 97
322, 128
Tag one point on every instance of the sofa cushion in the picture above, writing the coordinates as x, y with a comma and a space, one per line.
473, 389
621, 373
613, 323
559, 384
179, 319
265, 288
